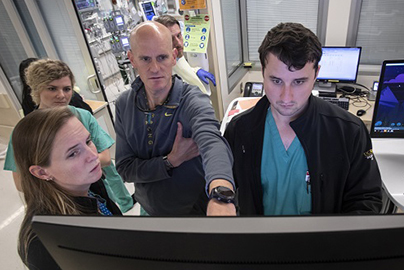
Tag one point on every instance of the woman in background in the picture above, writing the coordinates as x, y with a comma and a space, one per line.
51, 83
28, 105
60, 175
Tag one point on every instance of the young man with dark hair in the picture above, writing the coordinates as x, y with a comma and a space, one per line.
295, 154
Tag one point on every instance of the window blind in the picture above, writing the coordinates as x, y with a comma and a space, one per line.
232, 34
380, 31
263, 15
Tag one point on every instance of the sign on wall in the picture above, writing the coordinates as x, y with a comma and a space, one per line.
192, 4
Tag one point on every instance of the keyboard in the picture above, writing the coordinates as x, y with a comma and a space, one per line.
342, 102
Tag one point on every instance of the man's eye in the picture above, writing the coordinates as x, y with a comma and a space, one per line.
299, 82
162, 57
276, 81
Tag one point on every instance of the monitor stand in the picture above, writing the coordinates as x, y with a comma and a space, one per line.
326, 89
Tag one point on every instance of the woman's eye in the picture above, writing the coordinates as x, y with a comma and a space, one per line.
73, 154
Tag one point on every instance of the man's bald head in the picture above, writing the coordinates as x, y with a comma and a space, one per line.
153, 56
150, 30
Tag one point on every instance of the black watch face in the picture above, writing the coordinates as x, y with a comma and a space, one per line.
226, 192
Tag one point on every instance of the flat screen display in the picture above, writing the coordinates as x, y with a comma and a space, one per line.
388, 115
119, 20
339, 64
148, 10
125, 43
257, 89
84, 4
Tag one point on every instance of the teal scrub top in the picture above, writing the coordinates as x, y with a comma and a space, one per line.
284, 174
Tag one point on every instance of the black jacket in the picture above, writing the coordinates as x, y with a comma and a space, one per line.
39, 257
343, 171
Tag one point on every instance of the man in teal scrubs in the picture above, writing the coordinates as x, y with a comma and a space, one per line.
295, 154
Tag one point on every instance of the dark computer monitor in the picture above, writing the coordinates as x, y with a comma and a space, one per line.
388, 114
338, 65
309, 242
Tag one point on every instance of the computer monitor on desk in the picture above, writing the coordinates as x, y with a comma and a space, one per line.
388, 115
338, 65
309, 242
387, 129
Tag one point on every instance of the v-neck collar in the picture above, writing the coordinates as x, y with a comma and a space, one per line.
278, 144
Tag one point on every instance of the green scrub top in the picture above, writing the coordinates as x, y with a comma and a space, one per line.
284, 174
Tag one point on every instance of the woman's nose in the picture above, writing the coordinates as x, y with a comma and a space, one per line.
91, 154
61, 93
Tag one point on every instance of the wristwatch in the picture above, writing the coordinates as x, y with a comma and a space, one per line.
223, 194
167, 163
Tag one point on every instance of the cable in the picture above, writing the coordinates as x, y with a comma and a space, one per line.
357, 101
361, 85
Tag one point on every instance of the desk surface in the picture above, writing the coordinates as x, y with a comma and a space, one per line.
237, 106
356, 104
96, 105
390, 158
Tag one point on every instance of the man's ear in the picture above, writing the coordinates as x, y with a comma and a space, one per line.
131, 58
318, 70
39, 172
175, 54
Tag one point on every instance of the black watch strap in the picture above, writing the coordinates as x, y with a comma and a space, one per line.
167, 163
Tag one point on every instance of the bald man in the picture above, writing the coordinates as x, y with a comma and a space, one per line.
168, 141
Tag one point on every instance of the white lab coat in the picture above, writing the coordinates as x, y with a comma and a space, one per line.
188, 74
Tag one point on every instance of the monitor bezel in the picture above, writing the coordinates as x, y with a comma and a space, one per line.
216, 242
373, 134
339, 80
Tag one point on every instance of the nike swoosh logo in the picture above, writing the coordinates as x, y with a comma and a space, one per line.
168, 114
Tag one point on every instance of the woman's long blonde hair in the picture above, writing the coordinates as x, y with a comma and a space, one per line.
33, 141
